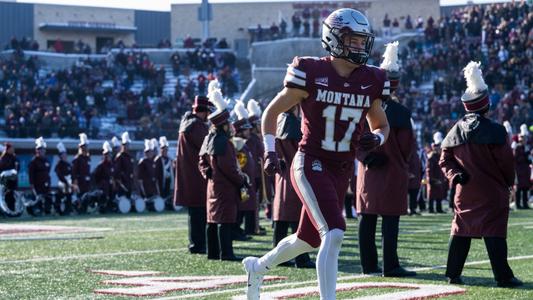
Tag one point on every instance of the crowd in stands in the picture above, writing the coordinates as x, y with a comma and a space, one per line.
126, 86
498, 35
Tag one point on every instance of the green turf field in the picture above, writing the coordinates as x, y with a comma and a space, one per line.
56, 266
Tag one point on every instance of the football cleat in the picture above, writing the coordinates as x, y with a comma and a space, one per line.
255, 279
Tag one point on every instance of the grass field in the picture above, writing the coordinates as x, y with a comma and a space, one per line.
57, 265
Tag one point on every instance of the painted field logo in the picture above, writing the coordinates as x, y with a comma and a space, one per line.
148, 283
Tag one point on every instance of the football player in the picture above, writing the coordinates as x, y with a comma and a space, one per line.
337, 94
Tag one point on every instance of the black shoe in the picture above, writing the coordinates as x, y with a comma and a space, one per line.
456, 280
372, 271
288, 263
197, 251
306, 265
213, 257
242, 238
440, 211
510, 283
261, 231
231, 258
399, 272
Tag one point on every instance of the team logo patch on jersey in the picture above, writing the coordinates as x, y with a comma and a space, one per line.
323, 81
316, 166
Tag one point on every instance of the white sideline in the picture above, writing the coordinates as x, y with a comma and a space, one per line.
46, 259
350, 277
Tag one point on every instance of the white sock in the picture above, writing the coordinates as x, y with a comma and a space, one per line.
327, 263
287, 249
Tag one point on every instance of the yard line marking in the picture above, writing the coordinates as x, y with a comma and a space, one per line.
473, 263
47, 259
51, 238
448, 227
350, 277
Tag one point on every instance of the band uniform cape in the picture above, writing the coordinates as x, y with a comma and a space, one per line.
382, 189
480, 148
81, 171
247, 166
415, 169
190, 185
146, 174
218, 164
163, 174
523, 171
124, 165
437, 182
103, 177
255, 144
10, 162
39, 174
287, 206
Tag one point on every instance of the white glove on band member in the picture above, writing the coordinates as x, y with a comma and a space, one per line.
269, 141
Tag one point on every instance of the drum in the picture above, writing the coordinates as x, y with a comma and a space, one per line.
123, 204
156, 204
140, 204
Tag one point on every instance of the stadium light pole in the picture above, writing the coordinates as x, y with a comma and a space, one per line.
205, 14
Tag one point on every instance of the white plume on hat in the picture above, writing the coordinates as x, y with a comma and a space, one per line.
216, 98
390, 57
147, 145
40, 143
253, 108
523, 130
107, 147
163, 141
474, 79
126, 138
508, 127
61, 147
213, 85
83, 139
240, 110
115, 142
154, 144
437, 138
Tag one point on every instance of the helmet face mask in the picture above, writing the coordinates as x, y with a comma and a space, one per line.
341, 29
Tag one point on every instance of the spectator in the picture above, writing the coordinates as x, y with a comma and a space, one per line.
296, 23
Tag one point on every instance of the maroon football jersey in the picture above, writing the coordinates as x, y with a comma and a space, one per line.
336, 107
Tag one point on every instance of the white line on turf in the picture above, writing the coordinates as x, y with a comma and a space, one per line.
350, 277
74, 257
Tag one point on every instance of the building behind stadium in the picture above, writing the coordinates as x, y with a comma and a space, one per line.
234, 21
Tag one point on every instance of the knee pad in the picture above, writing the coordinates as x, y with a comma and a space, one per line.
334, 237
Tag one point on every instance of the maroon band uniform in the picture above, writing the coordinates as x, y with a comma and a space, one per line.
81, 172
124, 166
146, 174
190, 186
39, 174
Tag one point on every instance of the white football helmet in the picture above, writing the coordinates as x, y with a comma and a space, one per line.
347, 21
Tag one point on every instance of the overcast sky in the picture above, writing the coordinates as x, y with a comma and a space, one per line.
164, 5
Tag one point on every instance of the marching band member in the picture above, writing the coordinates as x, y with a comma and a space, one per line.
218, 165
190, 187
